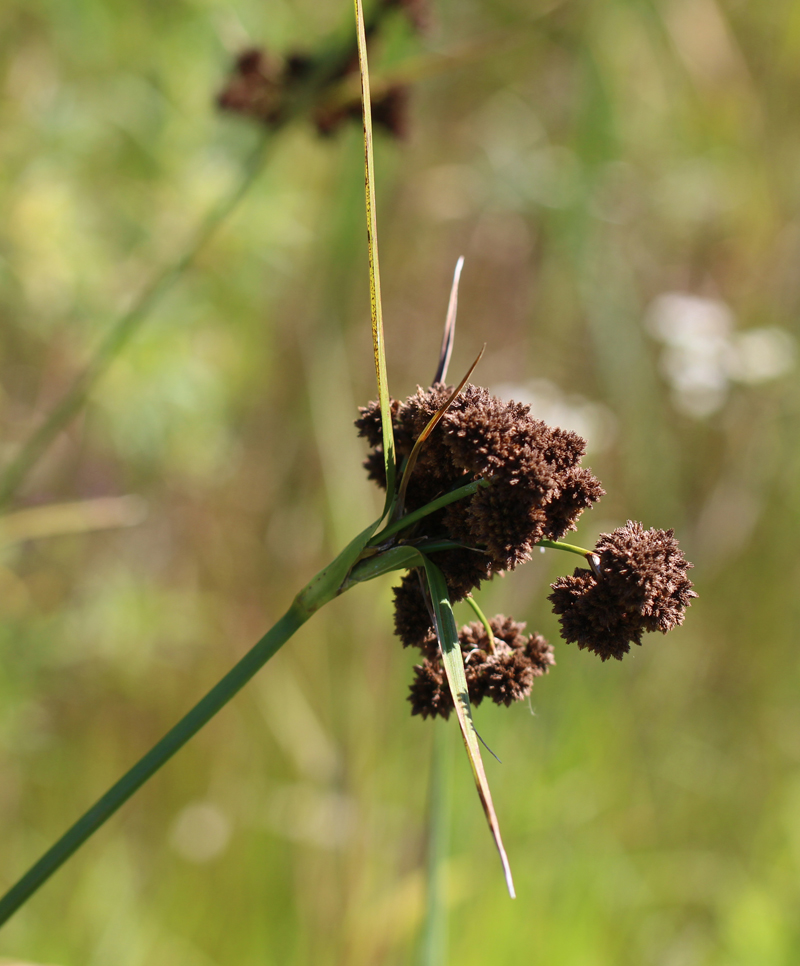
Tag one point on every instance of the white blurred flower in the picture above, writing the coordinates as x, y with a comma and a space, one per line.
761, 354
200, 832
688, 321
306, 812
703, 354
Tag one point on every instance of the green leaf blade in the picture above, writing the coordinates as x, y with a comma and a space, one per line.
454, 667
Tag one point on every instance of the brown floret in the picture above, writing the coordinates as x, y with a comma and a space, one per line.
430, 695
642, 587
417, 11
255, 87
504, 675
265, 87
412, 618
389, 111
536, 487
577, 491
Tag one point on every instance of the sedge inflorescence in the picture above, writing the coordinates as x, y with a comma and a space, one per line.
502, 669
531, 487
265, 86
640, 585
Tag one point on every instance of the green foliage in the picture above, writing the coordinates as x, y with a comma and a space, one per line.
607, 154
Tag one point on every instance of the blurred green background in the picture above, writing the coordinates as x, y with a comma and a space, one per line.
622, 178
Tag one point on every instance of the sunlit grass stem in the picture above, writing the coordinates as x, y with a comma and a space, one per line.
329, 64
405, 521
321, 589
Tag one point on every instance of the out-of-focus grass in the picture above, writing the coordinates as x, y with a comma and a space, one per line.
618, 152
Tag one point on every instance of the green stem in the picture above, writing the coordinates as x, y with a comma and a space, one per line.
146, 767
410, 518
402, 557
558, 545
376, 306
321, 589
483, 619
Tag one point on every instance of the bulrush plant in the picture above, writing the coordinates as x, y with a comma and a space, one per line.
472, 486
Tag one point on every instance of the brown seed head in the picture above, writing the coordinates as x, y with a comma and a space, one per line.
537, 487
643, 587
504, 675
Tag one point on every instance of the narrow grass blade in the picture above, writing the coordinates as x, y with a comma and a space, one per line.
378, 344
449, 326
424, 66
81, 516
454, 666
331, 581
433, 422
395, 558
411, 518
331, 60
447, 632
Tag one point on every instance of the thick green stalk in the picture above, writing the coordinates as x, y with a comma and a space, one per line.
147, 766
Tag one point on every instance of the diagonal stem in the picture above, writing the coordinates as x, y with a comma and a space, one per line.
483, 619
147, 766
321, 589
589, 555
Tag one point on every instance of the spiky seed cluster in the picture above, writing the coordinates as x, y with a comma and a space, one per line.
504, 676
537, 487
389, 112
261, 85
642, 587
